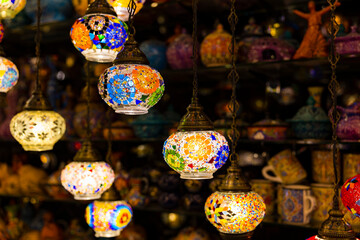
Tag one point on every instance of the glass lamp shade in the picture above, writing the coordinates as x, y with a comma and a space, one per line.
108, 218
9, 75
99, 37
350, 195
316, 237
131, 88
87, 180
121, 6
196, 154
9, 8
37, 130
235, 213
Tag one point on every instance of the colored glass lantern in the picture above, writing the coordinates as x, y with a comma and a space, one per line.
9, 8
37, 130
131, 88
235, 212
121, 7
155, 52
180, 51
196, 154
350, 195
9, 75
108, 218
87, 177
99, 36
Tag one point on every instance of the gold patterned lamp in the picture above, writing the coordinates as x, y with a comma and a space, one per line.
235, 210
38, 127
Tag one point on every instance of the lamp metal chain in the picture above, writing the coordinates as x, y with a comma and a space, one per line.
131, 8
37, 46
109, 137
333, 89
88, 130
233, 76
195, 55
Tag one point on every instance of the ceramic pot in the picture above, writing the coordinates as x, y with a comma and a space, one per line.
311, 121
267, 129
322, 166
193, 201
266, 189
179, 53
349, 44
136, 196
349, 125
268, 49
119, 131
214, 49
169, 181
151, 125
168, 200
351, 165
155, 52
324, 194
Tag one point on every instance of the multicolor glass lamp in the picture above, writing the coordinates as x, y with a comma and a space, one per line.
235, 210
9, 76
9, 8
99, 35
131, 86
108, 216
121, 7
38, 127
87, 177
335, 226
195, 151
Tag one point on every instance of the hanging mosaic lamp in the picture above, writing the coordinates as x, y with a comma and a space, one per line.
9, 76
131, 86
99, 35
9, 8
121, 7
108, 216
37, 127
195, 151
335, 226
87, 177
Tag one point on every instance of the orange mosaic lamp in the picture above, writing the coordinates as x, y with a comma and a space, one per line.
121, 7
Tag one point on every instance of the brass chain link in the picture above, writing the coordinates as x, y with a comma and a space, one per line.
195, 56
333, 88
233, 76
37, 46
131, 8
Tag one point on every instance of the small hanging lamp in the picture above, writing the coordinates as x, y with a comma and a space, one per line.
99, 35
241, 209
131, 86
109, 215
335, 226
38, 127
88, 176
9, 8
9, 76
195, 151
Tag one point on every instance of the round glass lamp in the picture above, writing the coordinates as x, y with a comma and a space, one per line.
196, 151
87, 177
235, 212
350, 195
2, 31
131, 86
121, 7
196, 154
107, 217
9, 8
37, 130
9, 75
99, 35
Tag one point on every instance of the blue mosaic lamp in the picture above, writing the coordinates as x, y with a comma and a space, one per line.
99, 35
9, 76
